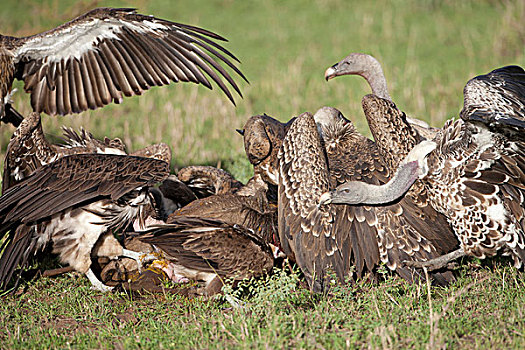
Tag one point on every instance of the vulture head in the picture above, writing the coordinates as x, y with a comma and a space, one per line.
263, 136
354, 64
364, 65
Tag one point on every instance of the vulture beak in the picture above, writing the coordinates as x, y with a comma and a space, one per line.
240, 131
330, 72
326, 198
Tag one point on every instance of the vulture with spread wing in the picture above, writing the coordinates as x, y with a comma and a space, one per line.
318, 153
73, 203
475, 176
106, 54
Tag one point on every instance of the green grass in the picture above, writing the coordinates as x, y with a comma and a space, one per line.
429, 49
483, 309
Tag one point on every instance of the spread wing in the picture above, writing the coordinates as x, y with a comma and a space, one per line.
497, 99
356, 159
212, 246
76, 179
306, 231
106, 53
407, 230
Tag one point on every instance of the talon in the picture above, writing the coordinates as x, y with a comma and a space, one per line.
139, 257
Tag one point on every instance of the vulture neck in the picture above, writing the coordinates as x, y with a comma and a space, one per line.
394, 189
373, 73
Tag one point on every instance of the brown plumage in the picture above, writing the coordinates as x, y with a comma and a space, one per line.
476, 174
248, 207
29, 149
206, 180
263, 136
210, 250
315, 158
72, 203
105, 54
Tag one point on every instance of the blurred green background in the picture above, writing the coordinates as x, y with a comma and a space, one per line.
429, 49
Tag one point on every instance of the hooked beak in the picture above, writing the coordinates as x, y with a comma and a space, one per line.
330, 72
240, 131
326, 198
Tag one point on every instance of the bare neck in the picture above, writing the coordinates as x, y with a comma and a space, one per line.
373, 73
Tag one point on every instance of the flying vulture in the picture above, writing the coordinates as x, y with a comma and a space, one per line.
105, 54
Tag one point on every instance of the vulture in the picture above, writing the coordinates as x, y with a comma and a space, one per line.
209, 250
250, 206
73, 203
475, 175
317, 154
206, 180
369, 68
28, 149
263, 136
105, 54
231, 234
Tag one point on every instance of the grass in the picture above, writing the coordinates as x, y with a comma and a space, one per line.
429, 50
484, 309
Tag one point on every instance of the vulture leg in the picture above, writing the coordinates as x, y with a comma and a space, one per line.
96, 283
437, 263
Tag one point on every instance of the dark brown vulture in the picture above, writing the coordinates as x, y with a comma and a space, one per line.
106, 54
317, 154
476, 174
210, 250
73, 203
223, 236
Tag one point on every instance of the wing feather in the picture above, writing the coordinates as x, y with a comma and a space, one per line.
497, 100
306, 230
212, 246
138, 52
75, 179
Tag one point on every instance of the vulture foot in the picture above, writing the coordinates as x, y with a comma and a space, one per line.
96, 284
139, 257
